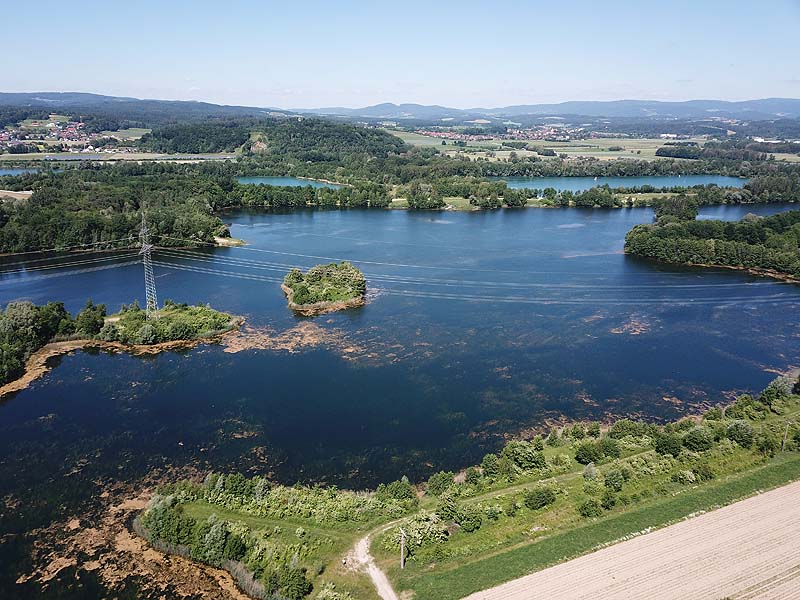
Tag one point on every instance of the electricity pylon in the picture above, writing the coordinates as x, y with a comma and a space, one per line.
149, 279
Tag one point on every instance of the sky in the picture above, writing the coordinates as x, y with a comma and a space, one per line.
455, 53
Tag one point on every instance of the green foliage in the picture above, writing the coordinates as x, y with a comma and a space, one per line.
746, 407
490, 465
524, 456
614, 480
539, 497
173, 322
469, 518
195, 138
590, 507
397, 490
90, 320
668, 443
438, 483
699, 439
609, 447
472, 476
756, 242
326, 283
588, 452
741, 432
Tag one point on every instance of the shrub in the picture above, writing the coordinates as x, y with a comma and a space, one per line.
539, 497
741, 432
626, 427
590, 507
593, 430
439, 482
610, 447
668, 443
493, 512
472, 476
588, 452
490, 465
590, 472
554, 440
713, 414
684, 476
614, 480
746, 407
524, 455
698, 439
777, 390
767, 443
469, 518
608, 500
703, 471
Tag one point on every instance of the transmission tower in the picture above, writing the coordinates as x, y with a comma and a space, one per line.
149, 278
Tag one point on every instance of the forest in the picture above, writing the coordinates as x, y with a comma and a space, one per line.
100, 204
762, 243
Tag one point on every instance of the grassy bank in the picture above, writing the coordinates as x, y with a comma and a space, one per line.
472, 576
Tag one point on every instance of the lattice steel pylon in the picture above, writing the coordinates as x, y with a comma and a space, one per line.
149, 279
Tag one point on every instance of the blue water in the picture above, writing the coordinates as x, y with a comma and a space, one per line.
478, 325
287, 181
15, 171
579, 184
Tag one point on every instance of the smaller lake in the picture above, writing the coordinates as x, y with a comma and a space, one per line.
286, 182
580, 184
13, 171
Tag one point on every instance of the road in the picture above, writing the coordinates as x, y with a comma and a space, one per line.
750, 549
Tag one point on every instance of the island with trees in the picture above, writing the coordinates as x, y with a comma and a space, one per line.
31, 334
325, 288
532, 503
760, 245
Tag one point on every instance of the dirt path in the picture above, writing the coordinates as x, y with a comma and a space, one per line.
359, 558
742, 551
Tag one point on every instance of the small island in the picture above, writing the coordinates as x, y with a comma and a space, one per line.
30, 335
325, 288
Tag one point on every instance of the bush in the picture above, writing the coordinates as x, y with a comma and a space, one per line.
539, 497
668, 443
590, 508
593, 430
439, 482
699, 439
713, 414
588, 452
610, 447
767, 443
490, 465
590, 472
746, 407
703, 471
741, 432
614, 480
472, 476
609, 500
469, 518
626, 427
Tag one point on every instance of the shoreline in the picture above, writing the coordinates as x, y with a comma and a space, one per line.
321, 308
755, 271
36, 366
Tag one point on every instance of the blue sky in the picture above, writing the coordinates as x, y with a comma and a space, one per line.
462, 54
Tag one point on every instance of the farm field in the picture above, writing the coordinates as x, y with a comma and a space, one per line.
745, 550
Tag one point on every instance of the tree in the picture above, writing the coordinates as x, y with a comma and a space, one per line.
741, 432
539, 497
588, 452
439, 482
490, 465
610, 447
668, 443
90, 320
699, 439
590, 508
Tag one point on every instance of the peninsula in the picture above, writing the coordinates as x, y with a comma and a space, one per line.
30, 335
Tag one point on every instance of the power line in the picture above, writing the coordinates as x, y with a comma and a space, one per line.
149, 279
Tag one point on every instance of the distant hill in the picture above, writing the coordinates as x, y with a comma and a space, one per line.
768, 108
157, 111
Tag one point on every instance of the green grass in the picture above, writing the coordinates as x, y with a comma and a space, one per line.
338, 542
480, 574
133, 133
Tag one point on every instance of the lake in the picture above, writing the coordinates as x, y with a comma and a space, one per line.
580, 184
286, 181
15, 171
479, 324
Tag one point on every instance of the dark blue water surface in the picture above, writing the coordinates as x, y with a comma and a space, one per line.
479, 324
580, 184
286, 181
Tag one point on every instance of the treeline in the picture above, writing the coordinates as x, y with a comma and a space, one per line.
735, 150
768, 243
25, 328
196, 138
103, 206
